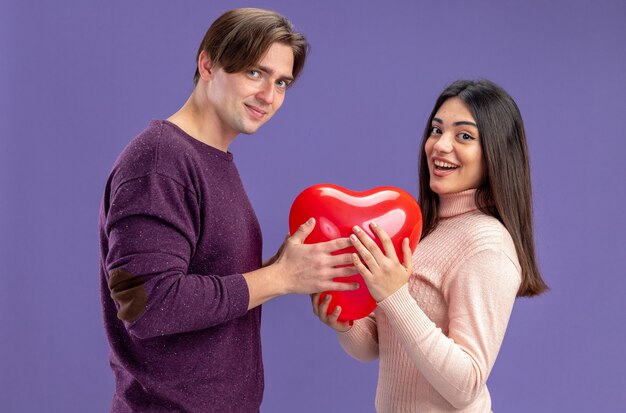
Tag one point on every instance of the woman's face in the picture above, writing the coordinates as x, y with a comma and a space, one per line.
453, 149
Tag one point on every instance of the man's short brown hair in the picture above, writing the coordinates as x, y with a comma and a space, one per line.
239, 38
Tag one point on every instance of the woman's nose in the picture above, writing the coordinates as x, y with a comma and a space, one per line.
444, 143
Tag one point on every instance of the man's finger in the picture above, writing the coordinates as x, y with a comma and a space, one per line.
342, 271
339, 286
303, 231
341, 259
336, 244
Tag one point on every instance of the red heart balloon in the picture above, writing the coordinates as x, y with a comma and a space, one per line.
336, 210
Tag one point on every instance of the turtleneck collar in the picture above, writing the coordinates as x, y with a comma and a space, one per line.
451, 205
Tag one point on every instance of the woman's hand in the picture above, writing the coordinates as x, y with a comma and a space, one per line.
321, 310
383, 273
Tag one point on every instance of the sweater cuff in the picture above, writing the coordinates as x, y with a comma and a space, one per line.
403, 312
353, 336
238, 294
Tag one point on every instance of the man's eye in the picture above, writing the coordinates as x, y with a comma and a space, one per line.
254, 73
281, 83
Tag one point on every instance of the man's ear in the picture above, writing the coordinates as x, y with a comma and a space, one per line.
205, 66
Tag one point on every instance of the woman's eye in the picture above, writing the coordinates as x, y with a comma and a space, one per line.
434, 130
465, 136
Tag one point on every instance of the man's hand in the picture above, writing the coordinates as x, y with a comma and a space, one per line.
310, 268
302, 268
274, 257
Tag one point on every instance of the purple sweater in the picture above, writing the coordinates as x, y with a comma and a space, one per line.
176, 232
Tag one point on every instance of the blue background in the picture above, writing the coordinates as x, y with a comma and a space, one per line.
79, 79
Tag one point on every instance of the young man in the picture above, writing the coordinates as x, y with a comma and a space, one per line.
181, 274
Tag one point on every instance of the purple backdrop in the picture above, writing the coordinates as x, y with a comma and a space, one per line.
78, 79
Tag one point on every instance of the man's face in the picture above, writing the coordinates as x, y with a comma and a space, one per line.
245, 100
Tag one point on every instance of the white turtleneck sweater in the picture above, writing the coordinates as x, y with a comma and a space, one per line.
438, 336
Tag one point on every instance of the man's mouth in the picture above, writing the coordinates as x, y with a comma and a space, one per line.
256, 112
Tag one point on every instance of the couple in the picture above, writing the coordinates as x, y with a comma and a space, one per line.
182, 280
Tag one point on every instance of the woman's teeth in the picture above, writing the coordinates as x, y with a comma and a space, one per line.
444, 165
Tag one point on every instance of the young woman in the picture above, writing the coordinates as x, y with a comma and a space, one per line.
442, 314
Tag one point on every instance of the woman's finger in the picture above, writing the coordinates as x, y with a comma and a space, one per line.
323, 309
315, 300
332, 317
408, 255
363, 252
388, 247
363, 270
336, 324
332, 320
369, 243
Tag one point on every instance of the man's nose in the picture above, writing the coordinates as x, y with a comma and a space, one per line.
266, 93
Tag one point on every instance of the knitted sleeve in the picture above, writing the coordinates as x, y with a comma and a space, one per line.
361, 341
480, 294
152, 226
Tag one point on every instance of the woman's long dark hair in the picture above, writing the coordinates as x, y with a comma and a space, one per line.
506, 191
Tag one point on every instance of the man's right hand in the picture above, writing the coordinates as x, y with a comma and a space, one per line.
311, 268
302, 268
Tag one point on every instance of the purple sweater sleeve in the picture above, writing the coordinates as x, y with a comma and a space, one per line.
153, 226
